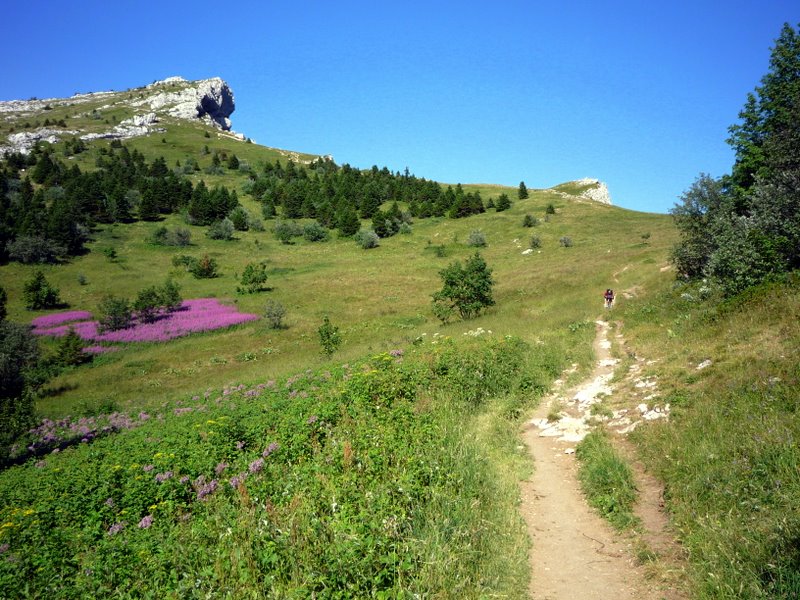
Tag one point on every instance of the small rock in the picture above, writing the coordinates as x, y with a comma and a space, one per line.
706, 363
569, 451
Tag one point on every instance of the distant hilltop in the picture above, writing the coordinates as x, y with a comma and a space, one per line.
207, 100
588, 188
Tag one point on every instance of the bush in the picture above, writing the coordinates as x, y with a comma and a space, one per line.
170, 296
405, 228
70, 350
476, 239
329, 337
164, 237
550, 210
253, 278
254, 223
114, 314
34, 249
536, 242
239, 218
19, 354
204, 268
503, 203
530, 221
565, 241
274, 314
221, 230
366, 238
3, 301
286, 230
38, 293
467, 290
314, 232
147, 304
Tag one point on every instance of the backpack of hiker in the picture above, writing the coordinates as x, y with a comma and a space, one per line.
609, 297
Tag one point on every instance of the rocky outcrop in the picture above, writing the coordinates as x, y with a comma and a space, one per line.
208, 99
597, 190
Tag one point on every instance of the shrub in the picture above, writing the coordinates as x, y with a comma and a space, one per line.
34, 249
565, 241
329, 337
3, 301
405, 228
274, 313
221, 230
314, 232
503, 203
239, 218
70, 350
20, 354
536, 242
159, 236
113, 314
204, 268
38, 293
530, 221
550, 210
366, 238
253, 278
110, 253
286, 230
170, 296
467, 290
82, 279
147, 303
254, 223
476, 239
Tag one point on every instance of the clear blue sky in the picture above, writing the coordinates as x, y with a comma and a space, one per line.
638, 94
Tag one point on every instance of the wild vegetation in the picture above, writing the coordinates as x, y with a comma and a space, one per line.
336, 438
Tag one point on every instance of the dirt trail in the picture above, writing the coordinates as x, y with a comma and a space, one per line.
575, 553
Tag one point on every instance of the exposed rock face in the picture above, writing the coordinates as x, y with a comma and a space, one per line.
599, 191
208, 99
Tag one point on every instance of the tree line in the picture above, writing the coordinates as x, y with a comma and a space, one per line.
744, 227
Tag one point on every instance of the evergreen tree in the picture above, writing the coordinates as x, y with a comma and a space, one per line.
523, 191
348, 222
503, 203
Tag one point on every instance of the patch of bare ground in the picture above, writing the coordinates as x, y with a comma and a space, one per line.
575, 553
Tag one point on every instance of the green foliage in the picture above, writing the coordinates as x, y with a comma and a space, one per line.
466, 290
162, 236
110, 253
69, 350
522, 194
530, 221
536, 242
253, 278
329, 337
221, 230
607, 480
314, 232
565, 241
3, 302
476, 239
147, 304
239, 218
366, 238
274, 312
35, 249
503, 203
113, 314
286, 230
38, 293
204, 268
550, 209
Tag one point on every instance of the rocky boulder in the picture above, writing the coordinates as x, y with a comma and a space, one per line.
210, 100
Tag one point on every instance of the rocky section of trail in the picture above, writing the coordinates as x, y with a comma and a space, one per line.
575, 553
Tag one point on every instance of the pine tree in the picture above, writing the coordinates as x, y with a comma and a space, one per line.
523, 191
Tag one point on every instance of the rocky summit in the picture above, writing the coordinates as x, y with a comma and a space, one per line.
144, 108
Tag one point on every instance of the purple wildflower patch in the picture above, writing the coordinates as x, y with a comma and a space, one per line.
162, 477
116, 528
56, 319
256, 465
270, 449
202, 314
146, 522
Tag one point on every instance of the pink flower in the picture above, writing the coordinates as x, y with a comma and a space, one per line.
146, 522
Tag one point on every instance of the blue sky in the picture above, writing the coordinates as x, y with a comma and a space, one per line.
637, 94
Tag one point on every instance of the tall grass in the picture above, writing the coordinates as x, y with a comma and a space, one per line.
729, 455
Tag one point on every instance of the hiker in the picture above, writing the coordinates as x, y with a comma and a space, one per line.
609, 297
